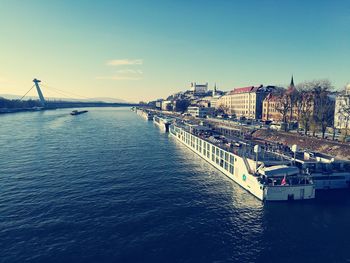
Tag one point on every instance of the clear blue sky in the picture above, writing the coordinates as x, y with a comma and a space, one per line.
143, 50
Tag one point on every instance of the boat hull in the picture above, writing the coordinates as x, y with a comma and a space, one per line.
236, 169
163, 124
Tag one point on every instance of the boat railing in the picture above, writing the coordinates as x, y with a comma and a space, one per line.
249, 169
285, 182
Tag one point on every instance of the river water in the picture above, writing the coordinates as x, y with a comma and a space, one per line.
108, 186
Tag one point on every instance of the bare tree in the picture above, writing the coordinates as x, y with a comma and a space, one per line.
306, 111
182, 105
222, 109
292, 98
304, 106
282, 104
314, 105
344, 112
323, 115
299, 104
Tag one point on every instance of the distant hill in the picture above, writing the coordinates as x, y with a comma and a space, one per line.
96, 99
106, 99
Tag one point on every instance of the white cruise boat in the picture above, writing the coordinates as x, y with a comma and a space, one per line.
326, 172
147, 115
268, 177
162, 122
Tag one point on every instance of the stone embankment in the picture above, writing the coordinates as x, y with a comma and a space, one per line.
333, 148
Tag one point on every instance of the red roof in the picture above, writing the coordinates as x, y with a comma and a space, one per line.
272, 97
244, 90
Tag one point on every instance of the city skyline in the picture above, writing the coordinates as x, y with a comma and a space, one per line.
134, 50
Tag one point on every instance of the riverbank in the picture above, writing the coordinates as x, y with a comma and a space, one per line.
337, 149
15, 110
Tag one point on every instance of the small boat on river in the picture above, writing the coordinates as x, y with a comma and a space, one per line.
76, 112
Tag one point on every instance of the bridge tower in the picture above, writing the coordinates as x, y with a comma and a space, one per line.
41, 96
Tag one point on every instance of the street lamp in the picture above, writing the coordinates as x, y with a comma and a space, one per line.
294, 150
257, 149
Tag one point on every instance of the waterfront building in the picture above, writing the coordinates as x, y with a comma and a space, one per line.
279, 101
245, 102
271, 106
216, 95
342, 109
200, 112
167, 105
199, 89
210, 100
213, 101
159, 104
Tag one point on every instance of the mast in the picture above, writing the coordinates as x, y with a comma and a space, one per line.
41, 96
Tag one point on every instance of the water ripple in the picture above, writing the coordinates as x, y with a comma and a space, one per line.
108, 186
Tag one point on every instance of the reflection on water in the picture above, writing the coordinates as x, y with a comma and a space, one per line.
108, 186
244, 218
242, 198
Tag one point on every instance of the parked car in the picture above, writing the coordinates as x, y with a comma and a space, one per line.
275, 126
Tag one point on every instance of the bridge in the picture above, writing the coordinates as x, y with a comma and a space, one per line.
69, 102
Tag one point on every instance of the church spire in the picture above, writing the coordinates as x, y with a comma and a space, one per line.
292, 82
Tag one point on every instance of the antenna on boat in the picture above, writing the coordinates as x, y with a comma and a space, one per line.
41, 96
294, 150
257, 149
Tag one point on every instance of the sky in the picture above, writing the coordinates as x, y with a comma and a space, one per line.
145, 50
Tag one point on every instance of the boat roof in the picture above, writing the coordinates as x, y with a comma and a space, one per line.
279, 170
229, 144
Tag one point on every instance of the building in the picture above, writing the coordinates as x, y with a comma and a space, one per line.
210, 100
200, 112
159, 104
213, 101
271, 106
278, 101
216, 95
245, 102
313, 108
342, 109
199, 89
167, 105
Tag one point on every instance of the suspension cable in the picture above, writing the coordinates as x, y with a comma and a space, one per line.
66, 92
57, 92
26, 93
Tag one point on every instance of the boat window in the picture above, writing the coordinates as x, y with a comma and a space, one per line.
299, 165
226, 165
333, 177
231, 168
231, 159
347, 166
336, 166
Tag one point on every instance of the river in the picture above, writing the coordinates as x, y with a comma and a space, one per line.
108, 186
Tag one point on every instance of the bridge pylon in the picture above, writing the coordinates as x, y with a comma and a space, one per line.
41, 96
